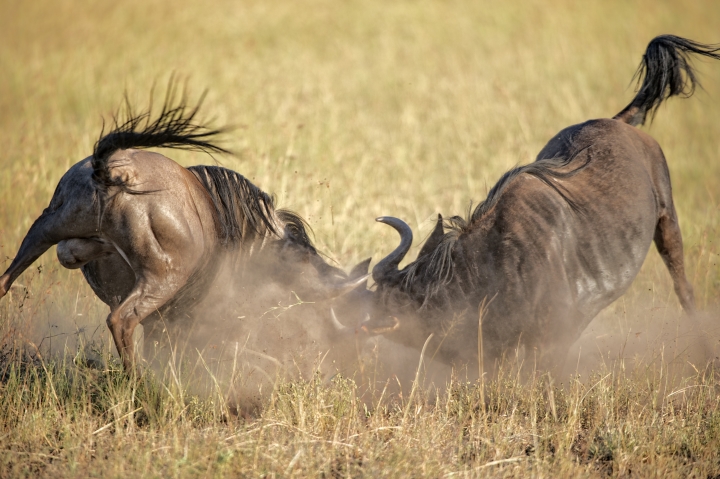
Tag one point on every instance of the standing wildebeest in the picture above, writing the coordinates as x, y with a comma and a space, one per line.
555, 242
149, 234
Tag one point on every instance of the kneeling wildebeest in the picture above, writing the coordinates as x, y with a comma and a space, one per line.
149, 235
555, 242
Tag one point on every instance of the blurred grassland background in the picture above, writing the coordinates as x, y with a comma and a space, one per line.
346, 111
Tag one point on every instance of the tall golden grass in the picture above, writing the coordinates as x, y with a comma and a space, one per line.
348, 111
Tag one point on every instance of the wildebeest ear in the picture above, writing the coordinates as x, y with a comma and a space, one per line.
360, 269
434, 239
325, 270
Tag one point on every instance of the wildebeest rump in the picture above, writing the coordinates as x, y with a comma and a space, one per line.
555, 242
149, 234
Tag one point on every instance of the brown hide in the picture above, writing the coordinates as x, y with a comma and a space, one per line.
149, 235
555, 242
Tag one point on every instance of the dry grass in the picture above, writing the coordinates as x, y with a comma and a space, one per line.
348, 111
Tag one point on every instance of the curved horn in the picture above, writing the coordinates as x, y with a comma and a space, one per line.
340, 327
389, 264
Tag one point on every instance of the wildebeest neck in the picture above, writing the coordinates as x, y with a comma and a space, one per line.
452, 268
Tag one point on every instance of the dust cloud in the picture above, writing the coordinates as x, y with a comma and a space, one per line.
638, 337
248, 334
647, 335
240, 340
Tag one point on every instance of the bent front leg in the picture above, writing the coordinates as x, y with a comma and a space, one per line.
110, 277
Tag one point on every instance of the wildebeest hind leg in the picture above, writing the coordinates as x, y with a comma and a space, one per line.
668, 240
145, 298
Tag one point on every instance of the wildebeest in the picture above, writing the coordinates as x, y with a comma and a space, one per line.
149, 235
554, 242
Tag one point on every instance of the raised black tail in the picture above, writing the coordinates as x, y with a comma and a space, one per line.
175, 127
667, 72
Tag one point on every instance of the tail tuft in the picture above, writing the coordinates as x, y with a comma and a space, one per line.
667, 71
175, 127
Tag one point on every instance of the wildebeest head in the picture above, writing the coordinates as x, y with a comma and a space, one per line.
403, 302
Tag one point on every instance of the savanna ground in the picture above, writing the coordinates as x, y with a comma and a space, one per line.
347, 111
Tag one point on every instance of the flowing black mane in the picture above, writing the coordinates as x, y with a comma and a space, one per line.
436, 267
175, 127
545, 170
243, 209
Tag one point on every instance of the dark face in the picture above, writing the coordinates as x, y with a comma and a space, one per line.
354, 309
365, 310
397, 307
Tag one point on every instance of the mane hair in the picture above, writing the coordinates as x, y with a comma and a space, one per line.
438, 264
241, 207
175, 127
545, 170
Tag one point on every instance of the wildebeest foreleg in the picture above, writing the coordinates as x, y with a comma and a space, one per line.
668, 240
111, 277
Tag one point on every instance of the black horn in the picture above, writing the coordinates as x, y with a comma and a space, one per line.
389, 265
